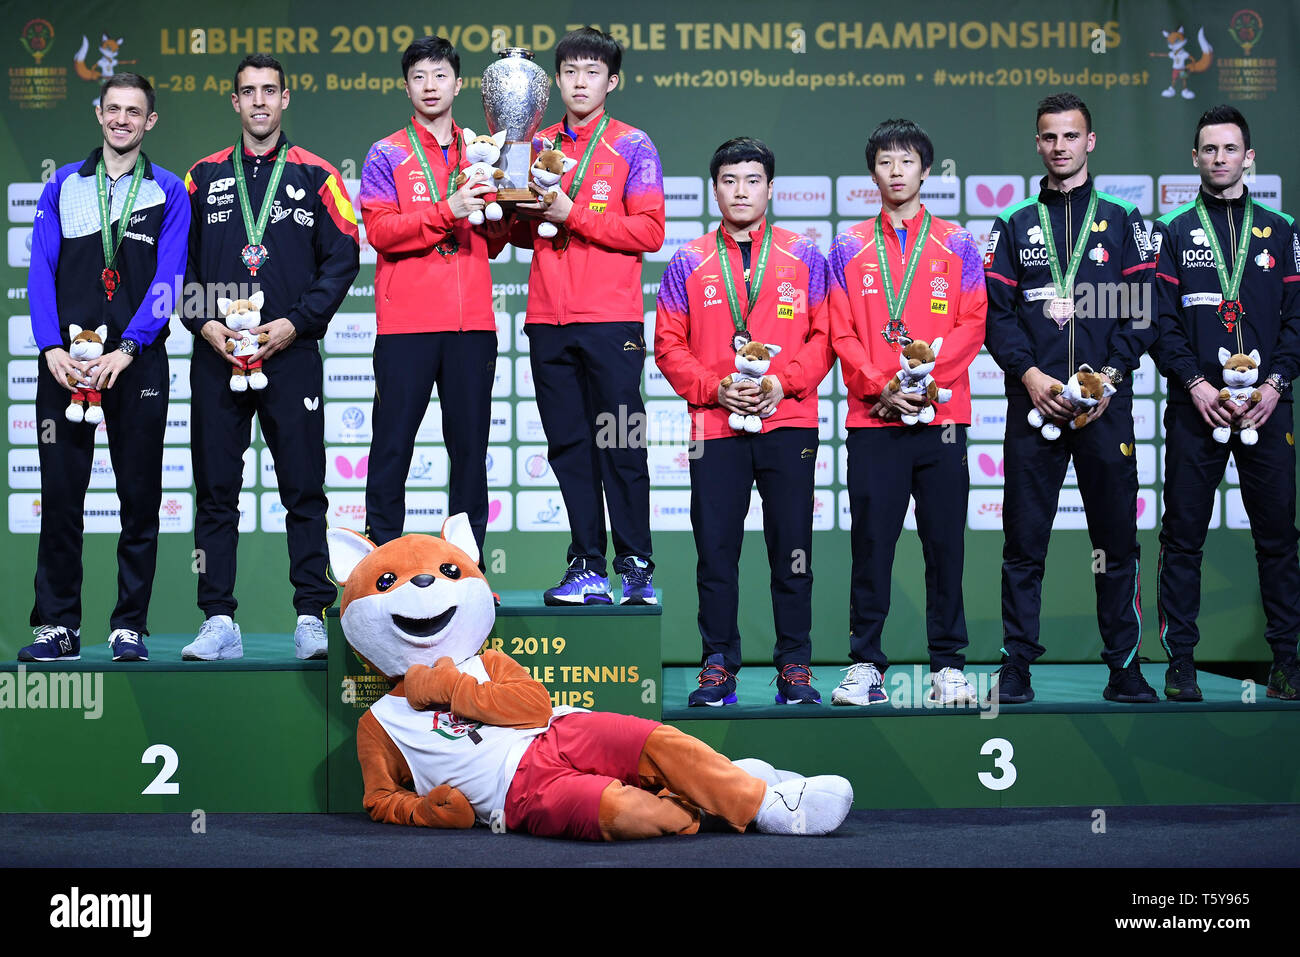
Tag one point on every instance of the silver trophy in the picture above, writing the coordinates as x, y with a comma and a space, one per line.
515, 93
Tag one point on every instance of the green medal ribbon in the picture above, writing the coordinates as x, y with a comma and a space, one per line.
896, 304
449, 245
756, 277
1065, 284
1230, 310
586, 156
109, 277
254, 254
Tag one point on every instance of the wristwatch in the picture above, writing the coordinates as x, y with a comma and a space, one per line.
130, 347
1277, 382
1115, 376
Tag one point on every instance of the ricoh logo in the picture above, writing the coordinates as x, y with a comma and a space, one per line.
802, 196
77, 910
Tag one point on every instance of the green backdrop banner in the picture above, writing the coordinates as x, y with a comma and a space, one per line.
811, 80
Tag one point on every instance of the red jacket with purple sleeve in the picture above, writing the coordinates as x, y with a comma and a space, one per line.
618, 215
947, 300
694, 329
417, 288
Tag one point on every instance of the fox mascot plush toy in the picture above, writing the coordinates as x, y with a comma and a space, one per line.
1240, 372
915, 363
547, 171
752, 362
1084, 391
243, 315
482, 152
86, 344
467, 737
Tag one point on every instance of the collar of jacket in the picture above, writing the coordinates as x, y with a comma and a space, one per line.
755, 234
88, 167
251, 157
911, 225
1055, 197
1216, 202
584, 131
430, 142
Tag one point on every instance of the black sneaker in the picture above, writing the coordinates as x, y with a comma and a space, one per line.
127, 645
794, 686
1012, 685
1180, 680
1128, 686
1284, 680
717, 685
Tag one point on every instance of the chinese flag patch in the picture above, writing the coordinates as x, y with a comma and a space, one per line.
604, 169
939, 265
784, 272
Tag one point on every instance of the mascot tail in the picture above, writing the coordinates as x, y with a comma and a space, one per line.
79, 61
1202, 64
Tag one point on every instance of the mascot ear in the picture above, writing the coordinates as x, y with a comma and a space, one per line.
1107, 389
347, 548
569, 163
936, 346
499, 138
1224, 356
102, 332
257, 299
1254, 357
469, 135
457, 531
74, 330
223, 305
773, 350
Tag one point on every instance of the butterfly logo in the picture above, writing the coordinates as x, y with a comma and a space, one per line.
990, 467
347, 471
295, 194
1099, 226
311, 404
989, 198
494, 510
1264, 233
1126, 448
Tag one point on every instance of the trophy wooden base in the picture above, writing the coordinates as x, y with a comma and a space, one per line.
513, 195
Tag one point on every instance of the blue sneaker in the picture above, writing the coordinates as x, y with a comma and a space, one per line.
309, 640
794, 686
127, 645
717, 685
53, 643
579, 586
219, 639
638, 584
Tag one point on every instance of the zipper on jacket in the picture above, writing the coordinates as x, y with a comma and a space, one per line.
1231, 264
1070, 240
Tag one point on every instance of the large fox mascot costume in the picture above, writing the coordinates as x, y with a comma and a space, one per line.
465, 737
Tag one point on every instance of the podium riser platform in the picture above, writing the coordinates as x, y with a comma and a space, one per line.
1031, 760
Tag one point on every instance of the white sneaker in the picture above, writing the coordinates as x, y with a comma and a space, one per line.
950, 686
862, 685
309, 638
805, 806
757, 767
218, 640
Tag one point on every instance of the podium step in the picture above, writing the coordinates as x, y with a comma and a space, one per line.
1069, 747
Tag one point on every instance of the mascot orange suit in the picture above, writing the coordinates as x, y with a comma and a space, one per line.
465, 737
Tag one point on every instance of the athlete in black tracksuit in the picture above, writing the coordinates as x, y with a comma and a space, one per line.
64, 288
1021, 336
1188, 293
312, 240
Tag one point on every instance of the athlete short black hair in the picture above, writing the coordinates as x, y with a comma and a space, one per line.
437, 49
1223, 113
259, 61
1063, 103
589, 43
742, 149
900, 135
132, 81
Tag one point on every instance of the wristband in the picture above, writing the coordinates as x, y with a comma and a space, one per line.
1193, 382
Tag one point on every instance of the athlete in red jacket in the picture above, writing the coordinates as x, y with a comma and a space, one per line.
585, 321
749, 281
433, 297
899, 277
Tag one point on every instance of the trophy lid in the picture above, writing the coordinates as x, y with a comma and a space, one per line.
516, 51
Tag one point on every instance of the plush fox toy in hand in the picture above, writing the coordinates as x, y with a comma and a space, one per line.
243, 315
465, 737
482, 152
547, 171
86, 344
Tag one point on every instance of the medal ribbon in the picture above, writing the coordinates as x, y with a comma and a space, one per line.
1065, 284
756, 277
256, 229
586, 156
1228, 285
896, 304
424, 164
111, 242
